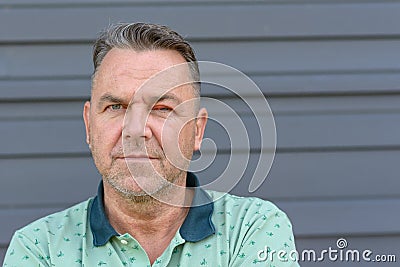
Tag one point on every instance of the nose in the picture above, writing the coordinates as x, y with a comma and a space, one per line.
136, 125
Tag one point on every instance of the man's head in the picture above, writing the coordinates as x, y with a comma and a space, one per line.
143, 118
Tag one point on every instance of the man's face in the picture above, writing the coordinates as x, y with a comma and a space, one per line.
143, 132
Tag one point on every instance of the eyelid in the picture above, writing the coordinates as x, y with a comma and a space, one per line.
109, 107
160, 106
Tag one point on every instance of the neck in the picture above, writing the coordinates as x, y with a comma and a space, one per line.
152, 223
150, 210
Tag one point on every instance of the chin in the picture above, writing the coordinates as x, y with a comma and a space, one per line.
130, 187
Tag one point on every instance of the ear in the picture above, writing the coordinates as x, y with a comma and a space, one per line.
86, 119
201, 122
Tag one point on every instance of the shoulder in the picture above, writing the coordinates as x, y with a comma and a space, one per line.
59, 223
249, 225
52, 237
245, 206
251, 219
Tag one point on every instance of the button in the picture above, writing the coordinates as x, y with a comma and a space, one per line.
124, 242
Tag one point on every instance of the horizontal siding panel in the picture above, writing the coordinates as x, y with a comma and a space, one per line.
327, 131
41, 110
31, 90
309, 131
57, 109
261, 20
41, 137
293, 176
296, 57
282, 84
270, 85
45, 181
357, 217
329, 104
304, 56
319, 175
45, 60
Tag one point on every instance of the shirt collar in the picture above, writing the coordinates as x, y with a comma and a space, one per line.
197, 224
101, 228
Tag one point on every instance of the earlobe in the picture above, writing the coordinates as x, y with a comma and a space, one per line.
201, 122
86, 119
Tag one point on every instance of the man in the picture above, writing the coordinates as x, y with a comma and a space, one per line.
143, 123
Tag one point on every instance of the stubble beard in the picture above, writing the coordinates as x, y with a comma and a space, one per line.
162, 182
163, 173
160, 177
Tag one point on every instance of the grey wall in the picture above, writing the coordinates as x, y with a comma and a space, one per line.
329, 69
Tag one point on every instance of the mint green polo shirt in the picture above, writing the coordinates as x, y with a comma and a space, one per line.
226, 231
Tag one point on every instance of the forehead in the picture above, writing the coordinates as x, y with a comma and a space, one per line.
125, 70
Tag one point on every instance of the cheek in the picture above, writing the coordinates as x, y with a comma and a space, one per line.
172, 134
166, 133
186, 138
106, 133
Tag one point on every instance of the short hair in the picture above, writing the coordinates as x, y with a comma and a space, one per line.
144, 37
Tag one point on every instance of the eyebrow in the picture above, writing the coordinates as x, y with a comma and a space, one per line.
171, 97
108, 98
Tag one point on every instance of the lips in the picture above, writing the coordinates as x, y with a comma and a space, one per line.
136, 156
145, 153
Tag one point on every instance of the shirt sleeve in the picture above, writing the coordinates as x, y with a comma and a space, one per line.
22, 251
269, 241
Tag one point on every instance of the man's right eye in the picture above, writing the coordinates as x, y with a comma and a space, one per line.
115, 107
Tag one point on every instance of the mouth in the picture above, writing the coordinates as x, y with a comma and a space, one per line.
137, 157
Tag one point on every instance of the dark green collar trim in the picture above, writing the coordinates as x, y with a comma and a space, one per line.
197, 225
101, 228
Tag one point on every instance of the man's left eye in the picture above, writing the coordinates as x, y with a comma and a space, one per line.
162, 108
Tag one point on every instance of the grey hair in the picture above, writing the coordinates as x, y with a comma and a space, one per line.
144, 37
